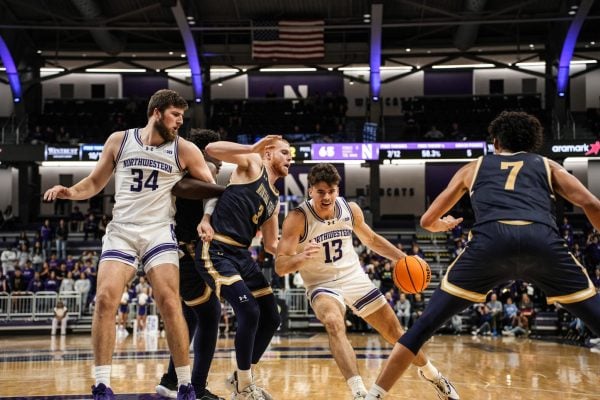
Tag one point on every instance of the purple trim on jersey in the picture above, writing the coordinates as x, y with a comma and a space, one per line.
321, 290
176, 150
138, 138
122, 147
367, 299
156, 250
305, 234
349, 209
119, 255
338, 211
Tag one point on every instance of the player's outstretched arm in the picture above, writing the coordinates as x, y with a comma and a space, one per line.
96, 180
287, 260
243, 155
372, 240
195, 189
575, 192
459, 184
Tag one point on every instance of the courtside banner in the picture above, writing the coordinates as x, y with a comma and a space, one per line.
571, 148
21, 152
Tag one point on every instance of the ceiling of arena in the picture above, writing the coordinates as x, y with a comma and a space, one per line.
72, 33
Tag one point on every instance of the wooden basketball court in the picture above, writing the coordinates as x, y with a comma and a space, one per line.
301, 367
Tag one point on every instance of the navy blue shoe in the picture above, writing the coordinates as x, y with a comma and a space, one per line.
102, 392
186, 392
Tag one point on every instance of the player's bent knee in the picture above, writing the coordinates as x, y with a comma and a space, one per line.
334, 324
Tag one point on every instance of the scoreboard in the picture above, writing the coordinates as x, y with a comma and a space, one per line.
397, 151
431, 150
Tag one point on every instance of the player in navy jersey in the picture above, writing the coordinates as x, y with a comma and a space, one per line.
514, 236
147, 163
250, 202
201, 307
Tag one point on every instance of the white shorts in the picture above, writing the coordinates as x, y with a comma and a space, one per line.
355, 291
140, 245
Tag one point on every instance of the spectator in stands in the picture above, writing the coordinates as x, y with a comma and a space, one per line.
9, 260
567, 237
53, 262
415, 250
102, 225
61, 316
36, 136
434, 133
83, 286
456, 134
67, 284
37, 257
36, 284
526, 307
46, 237
76, 218
566, 226
484, 318
358, 246
403, 310
62, 235
51, 284
3, 282
63, 136
22, 255
45, 271
592, 251
18, 284
418, 305
387, 281
520, 326
90, 227
510, 311
22, 239
496, 310
27, 272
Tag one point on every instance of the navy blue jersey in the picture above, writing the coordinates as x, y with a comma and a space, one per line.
188, 216
244, 207
513, 187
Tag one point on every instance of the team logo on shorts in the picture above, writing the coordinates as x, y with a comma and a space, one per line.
243, 299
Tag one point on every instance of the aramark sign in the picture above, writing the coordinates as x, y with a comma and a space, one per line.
572, 148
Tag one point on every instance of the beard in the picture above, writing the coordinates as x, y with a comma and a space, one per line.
167, 134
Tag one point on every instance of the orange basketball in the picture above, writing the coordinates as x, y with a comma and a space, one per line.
412, 274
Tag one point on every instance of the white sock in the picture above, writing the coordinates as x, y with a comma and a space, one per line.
429, 371
376, 393
356, 385
244, 378
184, 375
102, 374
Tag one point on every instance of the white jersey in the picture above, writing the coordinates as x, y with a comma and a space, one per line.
337, 258
144, 177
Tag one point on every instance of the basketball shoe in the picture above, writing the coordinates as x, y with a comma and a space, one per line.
232, 383
445, 389
167, 388
186, 392
102, 392
208, 395
251, 392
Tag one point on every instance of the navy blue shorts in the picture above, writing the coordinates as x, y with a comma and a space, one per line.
192, 288
124, 308
224, 264
502, 251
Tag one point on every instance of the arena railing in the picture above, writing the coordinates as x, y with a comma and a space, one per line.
37, 306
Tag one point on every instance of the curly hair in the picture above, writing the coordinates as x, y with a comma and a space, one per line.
517, 131
202, 137
163, 99
323, 172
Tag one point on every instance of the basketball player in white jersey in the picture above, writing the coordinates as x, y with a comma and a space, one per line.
147, 162
317, 241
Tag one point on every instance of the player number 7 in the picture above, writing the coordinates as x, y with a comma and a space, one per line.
514, 167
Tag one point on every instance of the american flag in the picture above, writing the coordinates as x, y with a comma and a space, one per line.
289, 40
